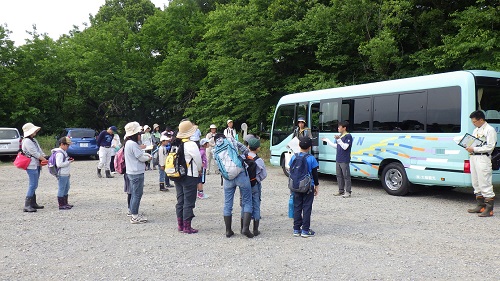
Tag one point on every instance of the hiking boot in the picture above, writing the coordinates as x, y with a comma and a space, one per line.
480, 205
488, 210
99, 173
162, 187
340, 193
296, 232
346, 195
308, 233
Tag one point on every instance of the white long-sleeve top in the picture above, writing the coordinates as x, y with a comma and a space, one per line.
192, 152
62, 161
135, 158
487, 134
342, 144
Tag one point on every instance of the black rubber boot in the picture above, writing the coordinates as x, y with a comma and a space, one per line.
488, 210
99, 173
256, 227
62, 204
34, 204
66, 201
228, 220
241, 229
28, 205
247, 217
162, 187
480, 205
108, 174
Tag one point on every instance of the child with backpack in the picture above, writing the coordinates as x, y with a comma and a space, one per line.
163, 150
257, 173
203, 148
62, 171
303, 167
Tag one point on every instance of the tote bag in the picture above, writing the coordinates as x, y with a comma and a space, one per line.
22, 161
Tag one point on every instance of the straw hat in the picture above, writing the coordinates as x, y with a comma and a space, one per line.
132, 128
30, 129
186, 129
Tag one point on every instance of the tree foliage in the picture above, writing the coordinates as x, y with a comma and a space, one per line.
211, 60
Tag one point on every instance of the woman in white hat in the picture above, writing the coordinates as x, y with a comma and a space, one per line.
186, 186
211, 143
135, 158
302, 130
32, 149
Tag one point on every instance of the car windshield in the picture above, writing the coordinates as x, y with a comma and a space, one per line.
8, 134
80, 134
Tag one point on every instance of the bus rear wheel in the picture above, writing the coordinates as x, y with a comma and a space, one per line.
286, 170
394, 180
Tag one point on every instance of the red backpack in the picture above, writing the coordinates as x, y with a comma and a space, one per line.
120, 161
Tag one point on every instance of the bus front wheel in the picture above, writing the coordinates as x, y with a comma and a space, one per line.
394, 179
286, 171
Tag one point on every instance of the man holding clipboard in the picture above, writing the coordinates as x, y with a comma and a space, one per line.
480, 145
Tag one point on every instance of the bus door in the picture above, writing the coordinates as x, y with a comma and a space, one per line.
328, 118
314, 112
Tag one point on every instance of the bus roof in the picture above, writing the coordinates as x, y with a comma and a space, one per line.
457, 78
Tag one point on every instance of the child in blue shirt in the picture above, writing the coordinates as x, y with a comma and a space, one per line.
302, 202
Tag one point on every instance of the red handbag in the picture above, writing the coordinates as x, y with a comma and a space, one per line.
22, 161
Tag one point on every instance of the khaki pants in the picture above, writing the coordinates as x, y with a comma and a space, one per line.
480, 171
210, 160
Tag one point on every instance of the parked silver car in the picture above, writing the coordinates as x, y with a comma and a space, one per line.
10, 141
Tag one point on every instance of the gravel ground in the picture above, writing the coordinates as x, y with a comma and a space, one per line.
371, 236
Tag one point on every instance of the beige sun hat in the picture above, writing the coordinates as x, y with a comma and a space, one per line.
29, 129
213, 126
155, 125
132, 128
186, 129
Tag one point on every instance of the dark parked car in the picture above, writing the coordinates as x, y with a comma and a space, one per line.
83, 141
10, 141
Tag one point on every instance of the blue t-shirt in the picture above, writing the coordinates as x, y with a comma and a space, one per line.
311, 164
344, 156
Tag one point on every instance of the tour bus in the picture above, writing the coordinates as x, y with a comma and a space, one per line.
404, 131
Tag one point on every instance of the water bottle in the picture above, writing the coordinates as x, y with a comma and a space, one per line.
290, 206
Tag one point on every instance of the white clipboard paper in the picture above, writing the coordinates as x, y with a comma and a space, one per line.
294, 145
470, 141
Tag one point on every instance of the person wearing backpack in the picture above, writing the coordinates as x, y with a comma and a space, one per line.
163, 150
135, 159
229, 156
304, 163
63, 172
256, 178
185, 185
203, 152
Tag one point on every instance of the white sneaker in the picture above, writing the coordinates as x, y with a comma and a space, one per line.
346, 195
138, 219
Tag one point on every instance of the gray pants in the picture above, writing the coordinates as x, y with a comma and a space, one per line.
343, 177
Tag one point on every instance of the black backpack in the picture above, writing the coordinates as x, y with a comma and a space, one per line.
251, 168
299, 179
495, 159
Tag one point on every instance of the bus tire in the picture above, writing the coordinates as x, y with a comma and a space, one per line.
283, 166
394, 179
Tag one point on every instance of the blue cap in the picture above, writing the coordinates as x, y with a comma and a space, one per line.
114, 129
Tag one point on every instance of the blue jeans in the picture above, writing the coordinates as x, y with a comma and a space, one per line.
33, 176
256, 198
302, 205
163, 177
136, 190
63, 183
243, 182
186, 197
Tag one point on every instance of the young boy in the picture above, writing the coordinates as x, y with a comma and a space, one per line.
204, 143
62, 162
302, 202
261, 174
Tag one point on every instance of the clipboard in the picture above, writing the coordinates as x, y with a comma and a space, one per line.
470, 141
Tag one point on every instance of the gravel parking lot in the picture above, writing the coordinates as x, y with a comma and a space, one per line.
371, 236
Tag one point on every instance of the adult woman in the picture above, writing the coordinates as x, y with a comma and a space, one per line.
186, 186
32, 149
302, 130
211, 143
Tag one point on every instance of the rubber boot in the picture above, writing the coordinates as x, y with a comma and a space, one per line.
256, 227
62, 205
188, 229
228, 220
99, 173
247, 217
480, 205
488, 210
66, 201
28, 206
180, 224
241, 229
34, 204
162, 187
108, 174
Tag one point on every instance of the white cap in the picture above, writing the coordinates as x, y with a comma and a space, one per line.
229, 121
213, 126
163, 138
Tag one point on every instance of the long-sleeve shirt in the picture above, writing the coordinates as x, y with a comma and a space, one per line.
192, 152
203, 154
104, 138
62, 161
343, 146
31, 146
135, 158
230, 133
488, 134
261, 167
146, 139
162, 154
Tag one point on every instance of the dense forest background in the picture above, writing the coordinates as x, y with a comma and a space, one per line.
211, 60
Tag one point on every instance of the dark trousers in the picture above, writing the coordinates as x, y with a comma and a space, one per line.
186, 197
302, 205
343, 177
112, 164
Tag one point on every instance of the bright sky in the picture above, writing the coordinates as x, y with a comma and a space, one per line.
54, 17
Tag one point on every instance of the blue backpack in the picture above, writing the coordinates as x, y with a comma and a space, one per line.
299, 179
228, 160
